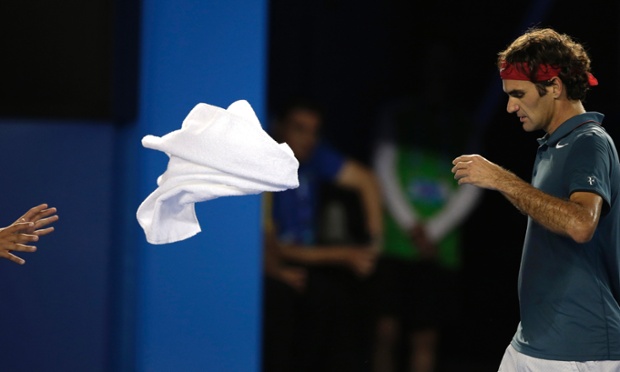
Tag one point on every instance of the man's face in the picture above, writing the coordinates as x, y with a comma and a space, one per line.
534, 112
300, 130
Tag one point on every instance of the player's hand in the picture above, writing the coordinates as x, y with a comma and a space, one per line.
478, 171
16, 238
41, 216
26, 229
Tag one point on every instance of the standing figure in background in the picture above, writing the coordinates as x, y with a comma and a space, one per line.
305, 326
416, 278
569, 279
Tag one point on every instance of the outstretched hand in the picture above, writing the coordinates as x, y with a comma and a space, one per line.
26, 229
41, 216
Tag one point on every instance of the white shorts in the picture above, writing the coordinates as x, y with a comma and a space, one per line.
513, 361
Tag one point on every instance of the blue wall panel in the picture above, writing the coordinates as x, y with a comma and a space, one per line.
56, 307
199, 299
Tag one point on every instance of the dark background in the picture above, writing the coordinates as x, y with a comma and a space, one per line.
354, 56
77, 60
70, 59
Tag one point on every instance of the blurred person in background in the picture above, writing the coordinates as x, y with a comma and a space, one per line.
313, 295
416, 291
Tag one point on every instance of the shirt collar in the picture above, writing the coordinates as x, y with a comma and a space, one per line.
569, 125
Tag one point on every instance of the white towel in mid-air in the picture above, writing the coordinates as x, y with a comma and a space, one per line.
217, 152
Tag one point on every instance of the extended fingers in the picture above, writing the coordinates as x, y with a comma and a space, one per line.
17, 233
23, 248
32, 212
17, 227
9, 256
26, 230
44, 214
42, 232
8, 248
15, 242
45, 221
47, 212
37, 213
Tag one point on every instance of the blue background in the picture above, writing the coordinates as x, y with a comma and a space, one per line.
97, 296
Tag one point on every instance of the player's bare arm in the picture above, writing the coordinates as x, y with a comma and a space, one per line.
576, 218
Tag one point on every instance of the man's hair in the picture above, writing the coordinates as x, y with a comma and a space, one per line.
295, 103
540, 46
289, 106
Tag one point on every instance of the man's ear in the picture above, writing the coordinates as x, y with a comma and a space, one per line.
557, 87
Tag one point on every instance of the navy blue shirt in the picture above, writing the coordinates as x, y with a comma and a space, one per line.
569, 293
294, 210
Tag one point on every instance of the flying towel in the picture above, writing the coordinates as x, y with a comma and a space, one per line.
217, 152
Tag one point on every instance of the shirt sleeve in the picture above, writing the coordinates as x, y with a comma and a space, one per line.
328, 161
589, 166
395, 201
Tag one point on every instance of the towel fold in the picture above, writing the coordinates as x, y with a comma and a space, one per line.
217, 152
